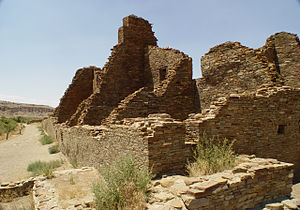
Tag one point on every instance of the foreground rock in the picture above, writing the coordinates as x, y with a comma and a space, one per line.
252, 184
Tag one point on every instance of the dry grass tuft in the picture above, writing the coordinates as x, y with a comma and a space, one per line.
122, 186
212, 155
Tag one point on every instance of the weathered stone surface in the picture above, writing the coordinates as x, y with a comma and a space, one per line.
289, 204
268, 182
275, 206
231, 68
80, 89
69, 189
144, 103
255, 123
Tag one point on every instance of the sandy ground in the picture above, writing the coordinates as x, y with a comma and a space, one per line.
19, 151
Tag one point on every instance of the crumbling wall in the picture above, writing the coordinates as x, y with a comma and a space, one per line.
166, 145
250, 185
80, 89
286, 47
156, 142
123, 74
10, 191
265, 123
171, 88
141, 79
232, 68
98, 145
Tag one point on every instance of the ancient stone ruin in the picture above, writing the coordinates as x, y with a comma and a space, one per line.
144, 102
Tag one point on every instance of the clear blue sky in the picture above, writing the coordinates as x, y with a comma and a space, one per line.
44, 42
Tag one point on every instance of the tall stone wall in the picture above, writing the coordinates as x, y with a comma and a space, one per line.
138, 79
170, 90
123, 74
265, 123
80, 89
287, 51
232, 68
241, 96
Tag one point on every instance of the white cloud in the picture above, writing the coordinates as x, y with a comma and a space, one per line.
20, 99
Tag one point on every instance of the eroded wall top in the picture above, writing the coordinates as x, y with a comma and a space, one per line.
232, 68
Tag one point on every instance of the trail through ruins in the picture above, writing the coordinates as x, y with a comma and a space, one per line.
17, 152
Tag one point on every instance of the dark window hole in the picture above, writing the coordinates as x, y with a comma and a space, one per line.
281, 129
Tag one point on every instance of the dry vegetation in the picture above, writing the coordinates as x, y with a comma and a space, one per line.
212, 155
122, 186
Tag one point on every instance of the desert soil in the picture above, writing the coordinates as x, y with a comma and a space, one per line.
19, 151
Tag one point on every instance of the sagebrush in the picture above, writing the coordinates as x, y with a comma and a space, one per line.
44, 168
212, 155
53, 149
46, 140
122, 186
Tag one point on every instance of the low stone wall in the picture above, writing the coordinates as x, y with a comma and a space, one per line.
250, 185
265, 123
9, 191
98, 145
156, 142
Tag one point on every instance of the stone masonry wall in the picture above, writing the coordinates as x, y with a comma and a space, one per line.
156, 142
166, 144
98, 145
287, 50
250, 185
10, 191
80, 89
123, 74
265, 123
232, 68
167, 94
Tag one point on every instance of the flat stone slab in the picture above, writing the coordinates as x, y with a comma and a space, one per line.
69, 189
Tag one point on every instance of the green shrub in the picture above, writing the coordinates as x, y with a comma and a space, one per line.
212, 155
44, 168
46, 140
20, 119
53, 149
123, 185
7, 125
42, 131
74, 163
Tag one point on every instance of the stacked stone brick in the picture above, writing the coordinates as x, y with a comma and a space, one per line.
249, 185
144, 102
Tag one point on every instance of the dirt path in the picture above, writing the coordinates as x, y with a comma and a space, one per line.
17, 152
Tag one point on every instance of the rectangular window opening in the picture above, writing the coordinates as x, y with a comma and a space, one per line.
281, 129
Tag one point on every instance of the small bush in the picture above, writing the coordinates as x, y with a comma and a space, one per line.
74, 163
7, 125
53, 149
212, 155
44, 168
21, 119
46, 140
42, 131
123, 185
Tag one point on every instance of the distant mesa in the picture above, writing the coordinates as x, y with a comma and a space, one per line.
12, 109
